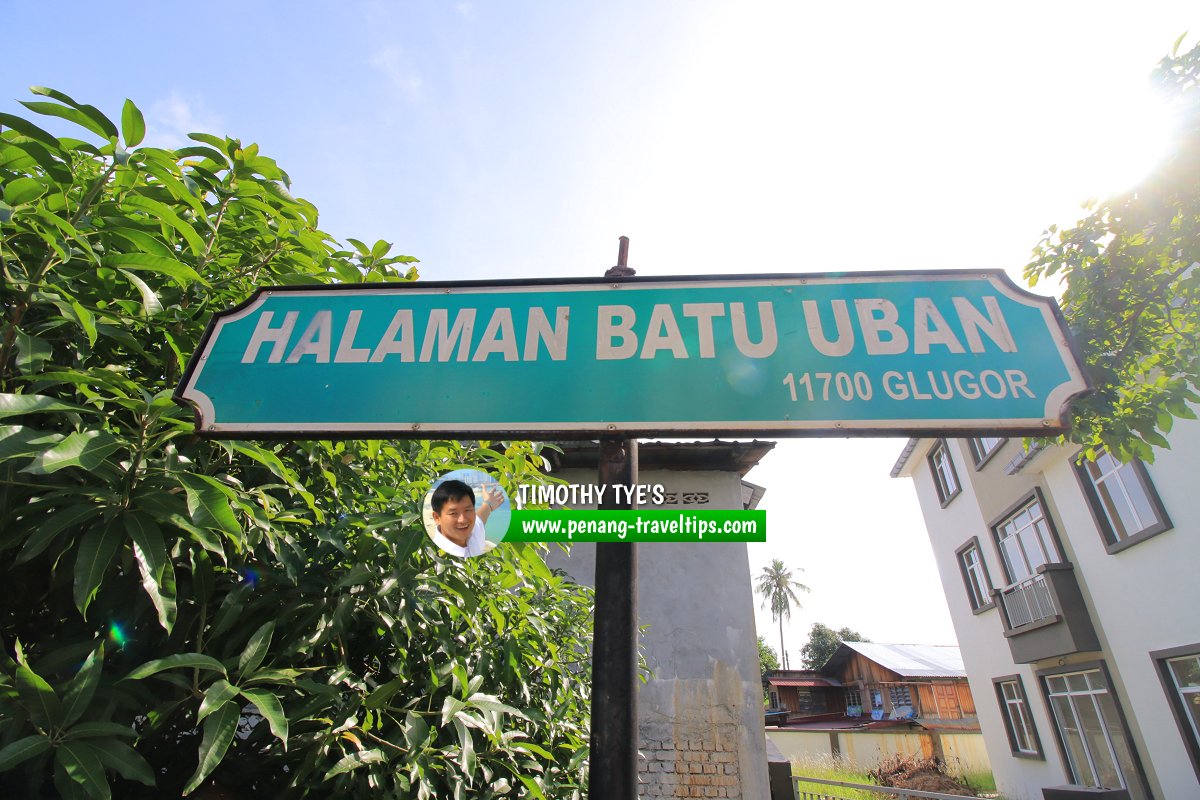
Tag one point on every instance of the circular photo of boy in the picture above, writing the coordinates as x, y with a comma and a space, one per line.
467, 513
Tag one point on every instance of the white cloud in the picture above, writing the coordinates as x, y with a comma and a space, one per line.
391, 62
171, 119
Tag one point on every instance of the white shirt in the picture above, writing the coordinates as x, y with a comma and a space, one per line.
476, 542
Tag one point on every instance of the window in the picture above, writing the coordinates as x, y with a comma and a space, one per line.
982, 448
853, 698
876, 699
900, 696
774, 700
1123, 500
979, 586
944, 476
1026, 540
1022, 735
1092, 731
1179, 669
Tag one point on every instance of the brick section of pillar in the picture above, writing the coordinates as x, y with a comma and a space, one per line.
677, 761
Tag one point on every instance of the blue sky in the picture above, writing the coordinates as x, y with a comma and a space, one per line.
520, 139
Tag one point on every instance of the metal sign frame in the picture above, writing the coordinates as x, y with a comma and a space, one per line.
1054, 420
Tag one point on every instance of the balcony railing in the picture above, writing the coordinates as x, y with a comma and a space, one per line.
1028, 602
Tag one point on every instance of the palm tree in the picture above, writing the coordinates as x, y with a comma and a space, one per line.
778, 589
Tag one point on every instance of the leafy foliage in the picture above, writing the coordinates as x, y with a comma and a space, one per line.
267, 620
1132, 290
823, 641
778, 588
768, 659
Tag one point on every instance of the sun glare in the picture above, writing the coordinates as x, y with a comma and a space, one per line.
1126, 143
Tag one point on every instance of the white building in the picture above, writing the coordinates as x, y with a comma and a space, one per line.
1075, 594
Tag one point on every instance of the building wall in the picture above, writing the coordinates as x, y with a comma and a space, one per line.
964, 753
700, 716
932, 697
1141, 599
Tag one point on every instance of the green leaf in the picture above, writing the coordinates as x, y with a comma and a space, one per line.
533, 748
23, 190
124, 760
416, 731
148, 538
97, 730
181, 273
451, 706
256, 648
133, 127
82, 764
43, 705
164, 214
55, 168
194, 660
69, 114
354, 761
489, 702
86, 321
22, 750
27, 128
12, 404
51, 526
32, 352
269, 706
208, 504
85, 450
151, 303
157, 571
215, 697
219, 729
208, 138
96, 551
82, 687
467, 745
106, 128
378, 698
196, 151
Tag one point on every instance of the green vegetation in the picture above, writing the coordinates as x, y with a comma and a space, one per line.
823, 642
767, 658
778, 588
830, 769
1132, 290
835, 769
268, 619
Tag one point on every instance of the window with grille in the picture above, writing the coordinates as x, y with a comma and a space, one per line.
1123, 500
1026, 540
1180, 672
1018, 722
1097, 746
974, 573
983, 447
944, 476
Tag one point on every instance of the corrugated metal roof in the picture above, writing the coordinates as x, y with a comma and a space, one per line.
914, 660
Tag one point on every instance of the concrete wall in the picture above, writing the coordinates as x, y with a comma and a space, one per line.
700, 716
963, 753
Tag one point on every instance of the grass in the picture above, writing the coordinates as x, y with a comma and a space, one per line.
834, 769
983, 782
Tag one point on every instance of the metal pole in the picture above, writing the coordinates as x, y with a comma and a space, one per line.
614, 743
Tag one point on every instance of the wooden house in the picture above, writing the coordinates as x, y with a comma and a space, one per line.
877, 682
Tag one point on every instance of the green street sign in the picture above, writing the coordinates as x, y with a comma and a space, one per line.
885, 353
